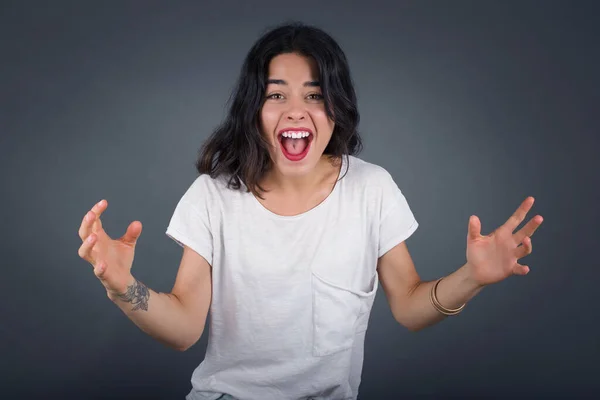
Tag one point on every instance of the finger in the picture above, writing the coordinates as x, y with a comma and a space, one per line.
97, 224
134, 230
529, 228
519, 269
85, 250
474, 230
98, 209
525, 249
91, 220
86, 225
100, 270
519, 214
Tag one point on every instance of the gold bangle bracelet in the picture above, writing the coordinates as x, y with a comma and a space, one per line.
438, 306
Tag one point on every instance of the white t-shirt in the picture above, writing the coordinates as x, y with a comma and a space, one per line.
291, 295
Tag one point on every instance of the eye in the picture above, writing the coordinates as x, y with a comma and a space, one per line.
274, 96
315, 96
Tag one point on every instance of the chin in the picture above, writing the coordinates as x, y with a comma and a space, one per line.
294, 169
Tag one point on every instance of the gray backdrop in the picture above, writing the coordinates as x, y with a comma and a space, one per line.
472, 106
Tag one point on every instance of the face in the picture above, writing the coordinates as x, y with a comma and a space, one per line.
293, 116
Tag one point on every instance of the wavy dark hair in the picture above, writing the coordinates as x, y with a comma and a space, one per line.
237, 149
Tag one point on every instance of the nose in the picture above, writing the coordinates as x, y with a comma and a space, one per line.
295, 116
296, 111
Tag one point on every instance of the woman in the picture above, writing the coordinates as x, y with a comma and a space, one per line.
286, 235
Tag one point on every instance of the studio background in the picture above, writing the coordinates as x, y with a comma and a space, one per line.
471, 106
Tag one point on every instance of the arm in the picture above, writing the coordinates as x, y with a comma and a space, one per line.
490, 259
176, 319
408, 295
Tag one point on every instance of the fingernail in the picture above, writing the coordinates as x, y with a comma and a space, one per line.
100, 203
90, 238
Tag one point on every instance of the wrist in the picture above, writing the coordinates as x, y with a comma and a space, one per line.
469, 280
118, 294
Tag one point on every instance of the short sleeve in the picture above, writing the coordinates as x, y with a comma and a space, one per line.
190, 223
397, 222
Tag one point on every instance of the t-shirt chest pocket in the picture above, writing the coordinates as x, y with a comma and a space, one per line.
344, 283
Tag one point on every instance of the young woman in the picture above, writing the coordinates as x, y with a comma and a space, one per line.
286, 235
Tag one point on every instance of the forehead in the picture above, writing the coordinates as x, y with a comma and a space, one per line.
293, 67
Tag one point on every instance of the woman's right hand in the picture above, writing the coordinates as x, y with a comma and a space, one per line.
111, 259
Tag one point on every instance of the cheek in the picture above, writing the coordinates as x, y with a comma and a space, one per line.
322, 120
268, 119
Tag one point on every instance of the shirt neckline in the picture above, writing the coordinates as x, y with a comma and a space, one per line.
322, 204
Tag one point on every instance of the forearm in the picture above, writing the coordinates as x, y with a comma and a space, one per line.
160, 315
454, 290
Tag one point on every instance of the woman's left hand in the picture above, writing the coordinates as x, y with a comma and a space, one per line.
495, 257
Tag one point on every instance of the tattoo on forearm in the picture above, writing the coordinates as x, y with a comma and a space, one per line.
136, 294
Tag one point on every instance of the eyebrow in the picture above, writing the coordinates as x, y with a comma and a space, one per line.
282, 82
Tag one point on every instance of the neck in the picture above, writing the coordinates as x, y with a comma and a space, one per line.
304, 183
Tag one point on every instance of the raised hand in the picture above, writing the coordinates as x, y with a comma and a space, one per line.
495, 257
111, 259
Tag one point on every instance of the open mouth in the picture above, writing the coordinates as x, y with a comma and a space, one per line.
295, 143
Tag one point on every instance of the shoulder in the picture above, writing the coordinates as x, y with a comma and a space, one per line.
206, 182
367, 174
205, 189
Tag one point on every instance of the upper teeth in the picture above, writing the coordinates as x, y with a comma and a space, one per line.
295, 134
